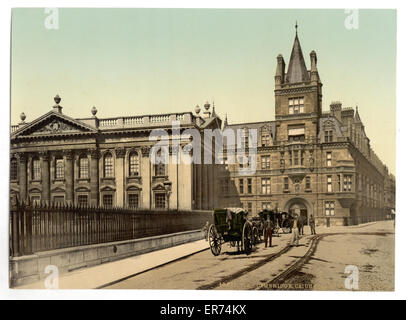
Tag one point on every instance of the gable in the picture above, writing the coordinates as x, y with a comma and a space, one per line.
53, 124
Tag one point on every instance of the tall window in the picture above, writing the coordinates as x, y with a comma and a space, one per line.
286, 183
339, 183
328, 135
59, 168
13, 169
249, 185
108, 200
307, 182
329, 186
296, 105
329, 208
133, 200
36, 169
265, 139
83, 167
347, 183
328, 157
266, 162
266, 185
241, 185
296, 157
160, 201
134, 164
108, 165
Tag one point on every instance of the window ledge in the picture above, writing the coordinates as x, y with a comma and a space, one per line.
286, 191
83, 180
108, 178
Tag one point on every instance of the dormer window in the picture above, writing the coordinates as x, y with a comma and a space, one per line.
296, 105
265, 139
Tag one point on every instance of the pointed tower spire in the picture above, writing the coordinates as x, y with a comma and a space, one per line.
225, 122
297, 71
357, 118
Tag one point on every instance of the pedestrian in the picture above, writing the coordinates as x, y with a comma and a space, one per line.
312, 224
295, 232
300, 224
268, 231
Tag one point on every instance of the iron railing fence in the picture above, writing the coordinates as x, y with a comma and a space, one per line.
48, 226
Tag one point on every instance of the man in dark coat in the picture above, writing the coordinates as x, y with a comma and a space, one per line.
312, 224
268, 226
300, 224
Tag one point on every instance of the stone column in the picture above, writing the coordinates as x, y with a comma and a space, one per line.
94, 177
22, 173
120, 176
45, 176
69, 177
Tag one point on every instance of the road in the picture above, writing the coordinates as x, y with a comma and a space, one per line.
319, 263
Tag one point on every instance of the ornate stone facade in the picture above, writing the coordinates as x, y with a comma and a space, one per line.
94, 161
310, 162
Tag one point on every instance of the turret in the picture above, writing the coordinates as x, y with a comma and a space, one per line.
280, 71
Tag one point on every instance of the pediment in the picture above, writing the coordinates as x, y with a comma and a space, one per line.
58, 189
53, 123
159, 187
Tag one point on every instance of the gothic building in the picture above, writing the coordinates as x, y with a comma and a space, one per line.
309, 161
105, 162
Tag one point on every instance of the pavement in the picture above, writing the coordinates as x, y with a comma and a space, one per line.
109, 274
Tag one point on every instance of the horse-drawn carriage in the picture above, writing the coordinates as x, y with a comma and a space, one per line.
280, 220
231, 225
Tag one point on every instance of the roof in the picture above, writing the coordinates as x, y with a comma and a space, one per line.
297, 71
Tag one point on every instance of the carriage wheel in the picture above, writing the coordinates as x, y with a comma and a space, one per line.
247, 238
214, 241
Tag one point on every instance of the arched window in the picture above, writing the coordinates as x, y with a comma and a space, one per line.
59, 168
134, 169
159, 168
83, 167
36, 169
108, 165
13, 169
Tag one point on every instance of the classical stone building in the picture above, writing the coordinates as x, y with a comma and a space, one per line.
310, 162
106, 162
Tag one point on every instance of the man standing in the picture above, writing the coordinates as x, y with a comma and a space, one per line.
295, 232
300, 224
268, 231
312, 224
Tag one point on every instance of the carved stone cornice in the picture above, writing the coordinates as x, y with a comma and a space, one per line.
120, 152
44, 155
145, 151
69, 154
94, 153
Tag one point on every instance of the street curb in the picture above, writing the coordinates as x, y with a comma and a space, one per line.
149, 269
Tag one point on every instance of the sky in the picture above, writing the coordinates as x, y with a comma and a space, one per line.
149, 61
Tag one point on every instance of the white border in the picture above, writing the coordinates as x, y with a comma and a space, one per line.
5, 293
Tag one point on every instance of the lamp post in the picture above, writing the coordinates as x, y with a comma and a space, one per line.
168, 191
